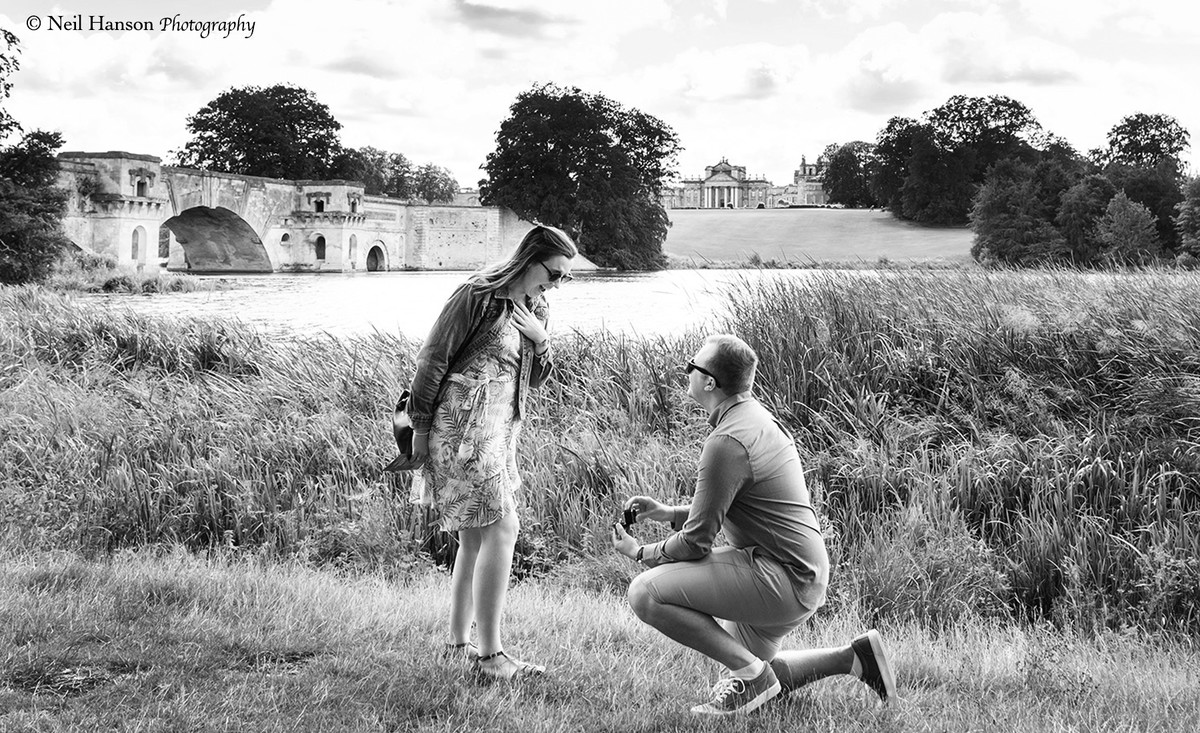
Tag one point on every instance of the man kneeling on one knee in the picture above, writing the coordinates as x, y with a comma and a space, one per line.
736, 603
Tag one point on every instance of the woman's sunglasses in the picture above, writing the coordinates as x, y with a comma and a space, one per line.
693, 366
554, 275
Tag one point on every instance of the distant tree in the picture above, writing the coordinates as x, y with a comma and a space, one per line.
588, 165
1145, 141
281, 131
1080, 210
846, 180
1127, 232
1156, 188
1009, 217
1187, 223
938, 187
9, 65
994, 128
381, 173
889, 166
929, 171
433, 184
31, 208
1051, 179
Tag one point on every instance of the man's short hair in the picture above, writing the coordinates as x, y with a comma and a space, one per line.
733, 362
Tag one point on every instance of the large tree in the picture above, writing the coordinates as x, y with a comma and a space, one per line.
433, 183
589, 165
281, 131
381, 173
889, 167
929, 171
994, 128
1012, 220
846, 180
938, 188
1145, 141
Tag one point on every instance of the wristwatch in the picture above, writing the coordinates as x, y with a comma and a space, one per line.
638, 557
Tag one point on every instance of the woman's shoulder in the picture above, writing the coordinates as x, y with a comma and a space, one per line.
470, 291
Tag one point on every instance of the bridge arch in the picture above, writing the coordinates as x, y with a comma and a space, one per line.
377, 257
218, 240
137, 247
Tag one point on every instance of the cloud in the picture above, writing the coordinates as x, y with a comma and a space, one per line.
984, 49
736, 73
885, 70
518, 23
375, 66
761, 81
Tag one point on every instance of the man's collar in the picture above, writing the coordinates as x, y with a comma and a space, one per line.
735, 399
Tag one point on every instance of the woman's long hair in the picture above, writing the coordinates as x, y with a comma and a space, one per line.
538, 245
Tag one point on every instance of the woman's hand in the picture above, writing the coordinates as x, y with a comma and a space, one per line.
420, 452
649, 508
529, 325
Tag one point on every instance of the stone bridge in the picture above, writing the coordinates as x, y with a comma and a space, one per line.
146, 215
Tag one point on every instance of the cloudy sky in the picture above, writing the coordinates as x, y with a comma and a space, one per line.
762, 83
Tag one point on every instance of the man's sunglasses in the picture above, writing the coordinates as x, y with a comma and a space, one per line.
556, 276
693, 366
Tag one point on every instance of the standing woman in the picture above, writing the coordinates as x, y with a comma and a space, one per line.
487, 349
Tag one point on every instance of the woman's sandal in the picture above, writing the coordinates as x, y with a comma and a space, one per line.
500, 666
465, 650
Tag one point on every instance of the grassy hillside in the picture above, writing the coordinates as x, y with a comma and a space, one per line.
140, 642
803, 235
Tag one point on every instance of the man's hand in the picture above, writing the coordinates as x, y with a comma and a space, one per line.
623, 543
649, 508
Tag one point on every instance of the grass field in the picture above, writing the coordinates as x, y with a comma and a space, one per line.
177, 642
805, 235
195, 533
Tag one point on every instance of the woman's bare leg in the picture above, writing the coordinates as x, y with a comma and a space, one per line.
462, 598
493, 565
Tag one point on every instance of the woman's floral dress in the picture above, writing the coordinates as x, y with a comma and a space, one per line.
471, 475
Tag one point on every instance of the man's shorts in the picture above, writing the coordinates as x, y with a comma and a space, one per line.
753, 596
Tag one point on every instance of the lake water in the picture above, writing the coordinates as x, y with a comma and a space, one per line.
645, 303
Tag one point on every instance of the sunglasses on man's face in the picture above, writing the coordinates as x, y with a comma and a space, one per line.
694, 367
556, 276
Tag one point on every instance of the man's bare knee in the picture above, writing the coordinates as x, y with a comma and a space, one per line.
640, 600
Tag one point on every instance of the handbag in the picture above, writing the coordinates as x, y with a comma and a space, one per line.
402, 431
402, 428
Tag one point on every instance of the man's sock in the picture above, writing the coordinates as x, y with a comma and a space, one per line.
856, 667
750, 671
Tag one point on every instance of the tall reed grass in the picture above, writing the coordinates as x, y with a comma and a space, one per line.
979, 444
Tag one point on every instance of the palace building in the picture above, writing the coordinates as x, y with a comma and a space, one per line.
726, 186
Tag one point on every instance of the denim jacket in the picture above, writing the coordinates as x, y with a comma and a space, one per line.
470, 323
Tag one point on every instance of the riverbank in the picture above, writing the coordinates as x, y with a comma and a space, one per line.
173, 641
1004, 445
